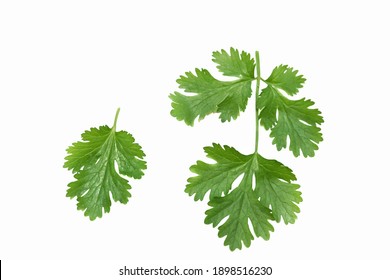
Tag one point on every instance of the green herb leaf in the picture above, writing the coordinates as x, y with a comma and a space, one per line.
287, 79
273, 188
235, 65
99, 161
294, 119
210, 95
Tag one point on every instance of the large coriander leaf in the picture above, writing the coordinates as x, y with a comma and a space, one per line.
100, 160
292, 119
286, 78
218, 177
274, 187
209, 95
234, 64
271, 196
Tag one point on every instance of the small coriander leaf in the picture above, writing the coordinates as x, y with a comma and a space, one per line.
235, 65
294, 119
98, 162
287, 79
209, 95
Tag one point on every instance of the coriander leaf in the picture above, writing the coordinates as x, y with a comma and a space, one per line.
294, 119
287, 79
209, 95
235, 65
99, 161
274, 187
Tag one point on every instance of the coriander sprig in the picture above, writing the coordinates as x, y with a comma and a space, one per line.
266, 191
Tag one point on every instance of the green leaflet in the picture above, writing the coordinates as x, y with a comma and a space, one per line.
94, 161
265, 190
235, 64
286, 78
228, 98
294, 119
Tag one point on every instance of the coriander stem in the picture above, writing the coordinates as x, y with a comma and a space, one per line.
116, 118
258, 78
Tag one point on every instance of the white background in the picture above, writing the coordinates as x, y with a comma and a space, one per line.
66, 66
